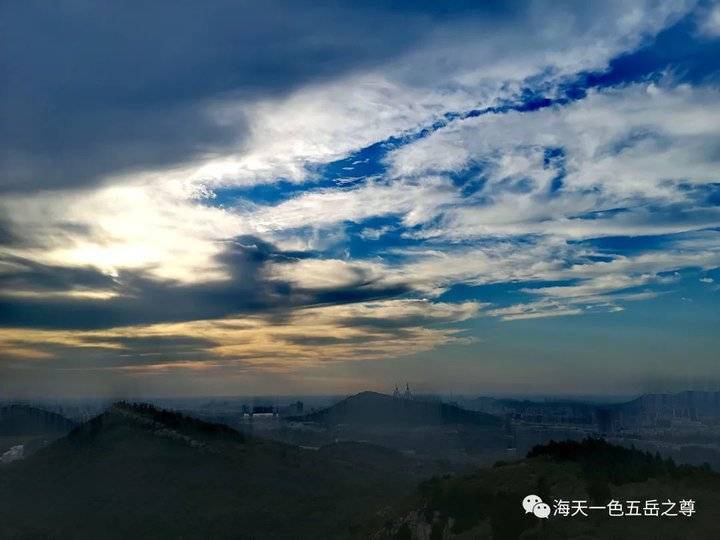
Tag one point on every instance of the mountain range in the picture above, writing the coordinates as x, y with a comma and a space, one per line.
487, 503
24, 429
137, 471
140, 472
372, 408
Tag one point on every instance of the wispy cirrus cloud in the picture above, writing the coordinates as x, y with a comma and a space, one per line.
359, 189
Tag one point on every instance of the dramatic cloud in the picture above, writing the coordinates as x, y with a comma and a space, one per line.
273, 190
618, 162
298, 340
93, 88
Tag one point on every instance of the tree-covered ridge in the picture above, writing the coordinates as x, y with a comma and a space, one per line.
20, 419
151, 417
372, 408
137, 471
487, 502
618, 464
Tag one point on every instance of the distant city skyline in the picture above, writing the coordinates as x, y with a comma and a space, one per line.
239, 199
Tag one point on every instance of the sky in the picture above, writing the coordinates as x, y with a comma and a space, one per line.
237, 198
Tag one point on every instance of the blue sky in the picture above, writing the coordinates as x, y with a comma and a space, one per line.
520, 198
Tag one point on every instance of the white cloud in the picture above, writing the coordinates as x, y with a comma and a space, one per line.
133, 226
534, 310
416, 202
593, 286
331, 274
630, 147
370, 233
458, 67
709, 23
624, 146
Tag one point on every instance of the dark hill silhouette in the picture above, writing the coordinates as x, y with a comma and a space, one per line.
30, 427
140, 472
690, 404
25, 420
372, 408
487, 502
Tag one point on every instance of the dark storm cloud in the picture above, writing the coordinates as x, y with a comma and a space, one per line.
37, 236
395, 324
91, 88
115, 351
147, 345
142, 299
356, 293
321, 341
37, 277
8, 237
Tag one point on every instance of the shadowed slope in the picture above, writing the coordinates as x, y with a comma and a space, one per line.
372, 408
26, 420
139, 472
30, 427
488, 502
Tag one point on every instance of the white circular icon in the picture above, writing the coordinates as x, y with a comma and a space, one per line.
541, 510
529, 502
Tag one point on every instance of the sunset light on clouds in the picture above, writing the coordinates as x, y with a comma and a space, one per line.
383, 191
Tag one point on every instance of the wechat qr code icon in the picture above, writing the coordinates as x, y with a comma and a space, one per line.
534, 505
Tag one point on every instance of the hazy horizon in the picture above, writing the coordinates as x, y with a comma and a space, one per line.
417, 394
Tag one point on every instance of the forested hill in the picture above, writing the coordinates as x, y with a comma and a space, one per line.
488, 502
20, 419
372, 408
140, 472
